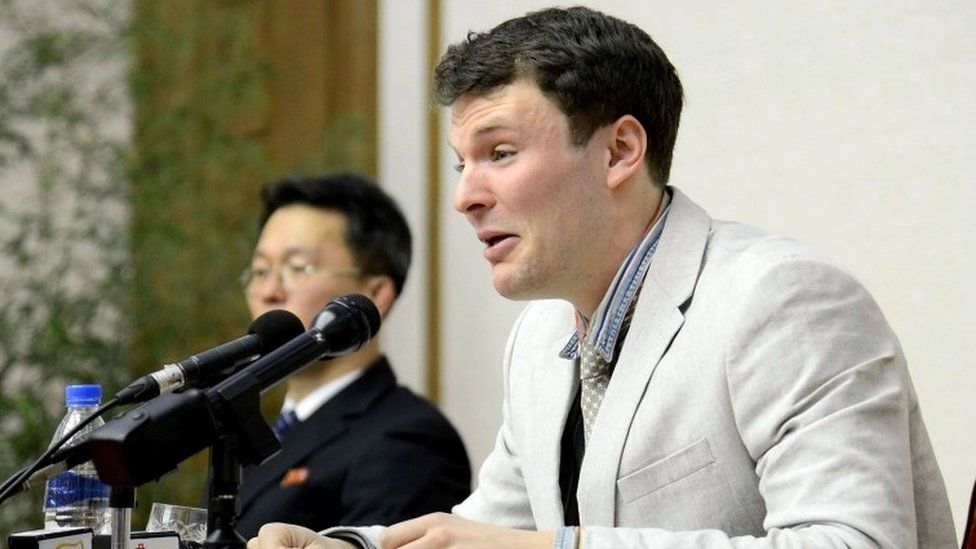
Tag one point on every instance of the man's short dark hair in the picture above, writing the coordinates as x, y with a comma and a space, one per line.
376, 231
595, 67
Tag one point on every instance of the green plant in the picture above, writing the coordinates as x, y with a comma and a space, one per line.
134, 136
64, 251
198, 87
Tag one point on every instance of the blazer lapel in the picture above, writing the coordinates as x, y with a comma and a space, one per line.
556, 380
670, 282
320, 429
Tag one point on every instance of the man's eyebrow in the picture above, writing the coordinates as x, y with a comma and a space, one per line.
300, 250
487, 129
493, 127
288, 254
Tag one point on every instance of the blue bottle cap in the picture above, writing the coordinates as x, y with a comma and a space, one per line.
83, 395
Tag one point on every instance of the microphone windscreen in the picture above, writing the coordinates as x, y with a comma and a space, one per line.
364, 305
275, 328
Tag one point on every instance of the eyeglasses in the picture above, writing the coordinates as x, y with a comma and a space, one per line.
291, 275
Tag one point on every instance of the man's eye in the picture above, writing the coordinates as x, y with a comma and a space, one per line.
459, 167
299, 269
501, 154
260, 272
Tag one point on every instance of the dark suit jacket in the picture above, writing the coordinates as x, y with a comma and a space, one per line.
373, 454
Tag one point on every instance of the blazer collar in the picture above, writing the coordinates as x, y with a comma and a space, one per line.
321, 428
658, 316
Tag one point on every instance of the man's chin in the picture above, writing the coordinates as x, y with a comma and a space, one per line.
510, 286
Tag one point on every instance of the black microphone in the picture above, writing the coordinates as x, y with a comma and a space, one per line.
266, 333
343, 326
150, 440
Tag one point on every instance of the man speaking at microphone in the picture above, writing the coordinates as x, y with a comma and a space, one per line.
356, 447
677, 381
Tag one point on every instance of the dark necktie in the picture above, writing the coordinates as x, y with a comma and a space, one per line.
283, 423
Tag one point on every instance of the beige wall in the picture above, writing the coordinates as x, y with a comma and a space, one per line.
842, 124
402, 170
845, 125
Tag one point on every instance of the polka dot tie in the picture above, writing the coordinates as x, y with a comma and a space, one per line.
595, 374
594, 378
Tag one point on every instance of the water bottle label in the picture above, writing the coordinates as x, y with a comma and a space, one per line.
69, 488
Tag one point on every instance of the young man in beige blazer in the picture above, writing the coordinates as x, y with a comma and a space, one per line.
677, 381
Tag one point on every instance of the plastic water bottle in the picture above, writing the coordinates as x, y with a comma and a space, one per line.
76, 497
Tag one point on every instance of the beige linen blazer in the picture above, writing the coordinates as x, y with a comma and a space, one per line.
760, 400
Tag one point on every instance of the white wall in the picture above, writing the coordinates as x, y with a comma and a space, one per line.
845, 125
403, 171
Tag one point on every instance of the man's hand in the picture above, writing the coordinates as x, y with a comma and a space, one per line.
442, 531
277, 536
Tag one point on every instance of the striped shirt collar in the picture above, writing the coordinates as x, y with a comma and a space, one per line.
609, 316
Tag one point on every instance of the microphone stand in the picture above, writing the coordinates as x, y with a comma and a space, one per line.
225, 474
148, 441
121, 501
127, 450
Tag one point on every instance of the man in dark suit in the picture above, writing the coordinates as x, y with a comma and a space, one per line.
356, 447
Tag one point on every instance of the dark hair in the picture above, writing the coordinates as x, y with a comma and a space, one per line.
376, 232
595, 67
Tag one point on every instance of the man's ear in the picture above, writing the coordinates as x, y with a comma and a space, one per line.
382, 291
627, 143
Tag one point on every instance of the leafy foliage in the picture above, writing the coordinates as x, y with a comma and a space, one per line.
200, 107
134, 136
64, 273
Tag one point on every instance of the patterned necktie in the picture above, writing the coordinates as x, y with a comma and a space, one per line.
283, 423
594, 378
595, 374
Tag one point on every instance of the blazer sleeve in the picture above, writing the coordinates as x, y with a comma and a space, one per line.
821, 398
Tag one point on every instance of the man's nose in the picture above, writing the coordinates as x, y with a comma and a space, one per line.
473, 191
271, 289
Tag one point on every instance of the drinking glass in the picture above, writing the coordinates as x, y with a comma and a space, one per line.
190, 523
